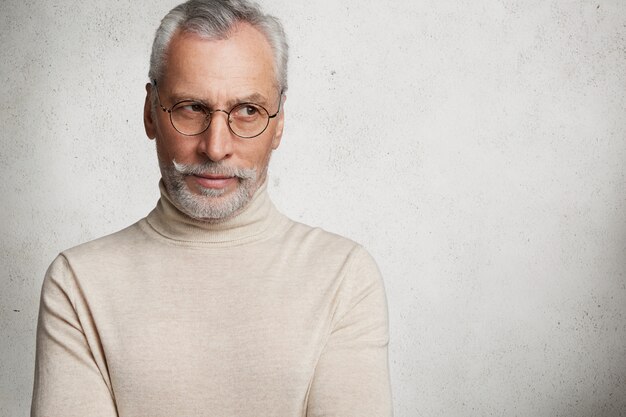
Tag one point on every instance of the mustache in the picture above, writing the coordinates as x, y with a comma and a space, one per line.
214, 168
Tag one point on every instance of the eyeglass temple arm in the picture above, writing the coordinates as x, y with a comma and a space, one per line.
280, 101
154, 84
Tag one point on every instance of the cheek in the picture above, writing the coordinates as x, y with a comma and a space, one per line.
256, 156
164, 149
169, 148
264, 147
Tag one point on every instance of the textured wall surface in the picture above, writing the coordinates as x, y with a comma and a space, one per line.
477, 149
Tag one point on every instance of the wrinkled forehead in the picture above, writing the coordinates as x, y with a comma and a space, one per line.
242, 58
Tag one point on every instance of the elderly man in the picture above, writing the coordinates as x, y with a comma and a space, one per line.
215, 304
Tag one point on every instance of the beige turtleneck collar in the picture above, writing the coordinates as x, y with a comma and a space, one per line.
257, 221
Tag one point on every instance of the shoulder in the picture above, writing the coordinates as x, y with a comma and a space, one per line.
357, 286
114, 243
330, 248
96, 258
317, 237
100, 255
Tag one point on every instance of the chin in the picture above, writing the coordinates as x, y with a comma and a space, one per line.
211, 204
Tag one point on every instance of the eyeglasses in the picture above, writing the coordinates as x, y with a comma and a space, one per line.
246, 120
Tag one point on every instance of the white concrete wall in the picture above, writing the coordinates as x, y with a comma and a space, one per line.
477, 148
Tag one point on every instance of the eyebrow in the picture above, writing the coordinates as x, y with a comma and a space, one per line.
255, 98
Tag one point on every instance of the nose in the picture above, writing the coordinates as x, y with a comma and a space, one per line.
217, 141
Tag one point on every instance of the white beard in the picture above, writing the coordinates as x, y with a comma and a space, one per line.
211, 205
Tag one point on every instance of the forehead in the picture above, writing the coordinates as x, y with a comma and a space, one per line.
240, 64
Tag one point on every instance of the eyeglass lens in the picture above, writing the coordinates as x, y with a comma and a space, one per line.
246, 120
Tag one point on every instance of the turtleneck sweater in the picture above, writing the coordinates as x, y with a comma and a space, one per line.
254, 316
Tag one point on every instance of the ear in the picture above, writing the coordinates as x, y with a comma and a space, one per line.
280, 124
148, 121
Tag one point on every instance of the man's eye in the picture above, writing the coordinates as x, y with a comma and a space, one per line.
251, 110
194, 107
191, 107
246, 111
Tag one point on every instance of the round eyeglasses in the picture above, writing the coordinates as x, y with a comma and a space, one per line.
246, 120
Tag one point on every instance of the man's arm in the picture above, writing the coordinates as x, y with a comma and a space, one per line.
70, 376
352, 374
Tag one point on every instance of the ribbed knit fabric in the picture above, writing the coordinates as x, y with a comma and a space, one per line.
255, 316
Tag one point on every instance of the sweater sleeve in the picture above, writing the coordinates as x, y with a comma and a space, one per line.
352, 374
70, 376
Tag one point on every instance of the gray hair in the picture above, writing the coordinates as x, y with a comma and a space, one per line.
215, 19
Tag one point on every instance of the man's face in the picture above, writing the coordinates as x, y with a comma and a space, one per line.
213, 175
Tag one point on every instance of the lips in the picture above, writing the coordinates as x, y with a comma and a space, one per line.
216, 181
214, 176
